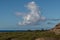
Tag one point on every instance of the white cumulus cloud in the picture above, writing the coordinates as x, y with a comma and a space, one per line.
33, 16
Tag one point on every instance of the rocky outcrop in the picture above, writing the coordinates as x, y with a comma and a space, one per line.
56, 29
39, 39
47, 38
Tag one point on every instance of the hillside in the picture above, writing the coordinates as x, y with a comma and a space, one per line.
56, 29
32, 35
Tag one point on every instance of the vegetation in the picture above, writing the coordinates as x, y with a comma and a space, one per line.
27, 35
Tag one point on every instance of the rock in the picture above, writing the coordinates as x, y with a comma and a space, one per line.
46, 38
56, 29
39, 39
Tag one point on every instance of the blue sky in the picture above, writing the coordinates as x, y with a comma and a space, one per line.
8, 20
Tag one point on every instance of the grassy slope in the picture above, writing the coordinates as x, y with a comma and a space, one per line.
27, 35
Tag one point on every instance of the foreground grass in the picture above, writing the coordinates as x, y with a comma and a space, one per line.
29, 35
